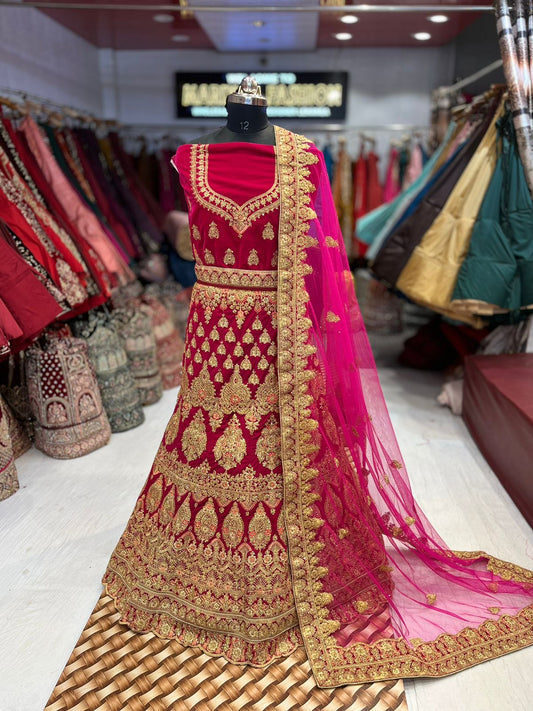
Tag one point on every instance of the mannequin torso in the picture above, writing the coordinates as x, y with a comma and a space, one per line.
248, 124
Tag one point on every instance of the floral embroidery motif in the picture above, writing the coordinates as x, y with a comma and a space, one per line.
268, 446
268, 231
208, 257
196, 233
253, 258
239, 217
194, 438
213, 231
230, 448
332, 318
229, 257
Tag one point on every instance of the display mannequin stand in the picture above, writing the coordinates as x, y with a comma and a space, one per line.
247, 120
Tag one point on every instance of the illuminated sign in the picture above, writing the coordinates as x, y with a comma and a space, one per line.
301, 95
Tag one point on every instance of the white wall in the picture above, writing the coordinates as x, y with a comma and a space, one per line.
386, 85
40, 56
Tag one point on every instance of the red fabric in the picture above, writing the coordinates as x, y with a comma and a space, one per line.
498, 411
28, 302
90, 258
104, 204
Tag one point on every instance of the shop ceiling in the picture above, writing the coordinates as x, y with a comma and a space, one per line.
252, 25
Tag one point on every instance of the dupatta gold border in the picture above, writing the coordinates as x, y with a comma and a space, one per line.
332, 664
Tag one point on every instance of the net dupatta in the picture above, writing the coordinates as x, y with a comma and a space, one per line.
378, 593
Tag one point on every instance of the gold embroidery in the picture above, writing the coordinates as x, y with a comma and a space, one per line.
235, 396
268, 231
194, 439
396, 464
153, 499
233, 527
229, 257
274, 260
257, 325
260, 529
331, 241
173, 427
409, 520
196, 233
208, 257
246, 364
213, 231
223, 322
248, 338
230, 336
230, 448
494, 610
255, 352
268, 446
253, 258
239, 217
361, 606
241, 278
206, 522
431, 598
182, 517
201, 391
221, 350
267, 394
332, 318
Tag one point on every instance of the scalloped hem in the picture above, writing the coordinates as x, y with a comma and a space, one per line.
235, 650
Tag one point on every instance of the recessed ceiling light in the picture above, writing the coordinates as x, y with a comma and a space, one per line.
258, 23
422, 36
438, 19
163, 17
343, 36
349, 19
180, 38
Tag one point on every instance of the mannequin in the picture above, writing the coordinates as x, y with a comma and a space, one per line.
247, 120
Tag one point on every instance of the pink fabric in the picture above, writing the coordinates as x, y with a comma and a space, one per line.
392, 179
77, 212
415, 167
377, 545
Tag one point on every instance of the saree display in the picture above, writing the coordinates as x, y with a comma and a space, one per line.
278, 510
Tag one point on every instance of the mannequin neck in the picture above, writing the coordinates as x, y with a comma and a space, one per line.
245, 119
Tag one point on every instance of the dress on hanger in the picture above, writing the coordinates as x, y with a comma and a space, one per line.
278, 510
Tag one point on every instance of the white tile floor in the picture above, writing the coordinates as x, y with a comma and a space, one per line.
58, 531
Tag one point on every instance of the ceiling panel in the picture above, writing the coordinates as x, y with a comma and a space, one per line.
234, 31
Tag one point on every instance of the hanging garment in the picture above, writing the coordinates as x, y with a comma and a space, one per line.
497, 273
135, 329
360, 199
95, 276
65, 399
27, 307
392, 179
375, 228
342, 195
9, 483
420, 215
278, 509
120, 396
77, 211
431, 272
414, 168
168, 343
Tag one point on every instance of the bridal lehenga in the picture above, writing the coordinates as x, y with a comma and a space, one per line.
278, 511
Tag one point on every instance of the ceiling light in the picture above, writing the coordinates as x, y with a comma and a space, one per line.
343, 36
163, 17
349, 19
180, 38
422, 36
438, 19
258, 23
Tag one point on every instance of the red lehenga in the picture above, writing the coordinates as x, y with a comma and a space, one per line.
278, 511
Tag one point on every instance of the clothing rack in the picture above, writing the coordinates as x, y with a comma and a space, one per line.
446, 90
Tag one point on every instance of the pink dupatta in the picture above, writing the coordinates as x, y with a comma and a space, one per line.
379, 594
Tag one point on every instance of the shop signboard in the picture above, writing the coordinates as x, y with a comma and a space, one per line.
299, 95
